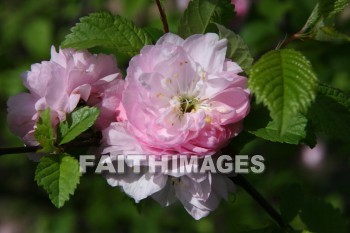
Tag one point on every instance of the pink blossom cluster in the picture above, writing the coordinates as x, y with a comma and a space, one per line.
180, 97
69, 78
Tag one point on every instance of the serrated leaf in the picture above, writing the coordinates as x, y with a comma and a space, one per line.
283, 80
201, 13
316, 26
44, 133
154, 33
295, 130
237, 50
329, 8
321, 217
328, 33
338, 95
59, 176
330, 117
109, 31
76, 123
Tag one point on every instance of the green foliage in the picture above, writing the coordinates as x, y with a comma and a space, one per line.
108, 31
330, 117
237, 50
283, 80
59, 176
321, 217
336, 94
319, 25
294, 133
44, 133
154, 33
76, 123
201, 13
329, 33
318, 216
329, 8
331, 112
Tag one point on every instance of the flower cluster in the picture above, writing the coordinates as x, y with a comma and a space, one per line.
180, 97
70, 78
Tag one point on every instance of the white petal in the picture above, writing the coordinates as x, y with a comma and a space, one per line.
166, 196
207, 50
138, 186
170, 38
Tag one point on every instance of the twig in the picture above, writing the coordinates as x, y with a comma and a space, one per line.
162, 16
29, 149
18, 150
290, 39
241, 181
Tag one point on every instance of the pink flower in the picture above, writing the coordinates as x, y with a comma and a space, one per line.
199, 193
60, 84
241, 7
184, 96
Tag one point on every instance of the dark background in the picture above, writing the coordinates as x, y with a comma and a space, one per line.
27, 30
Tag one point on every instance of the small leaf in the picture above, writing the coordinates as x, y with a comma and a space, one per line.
44, 133
321, 217
109, 31
312, 20
328, 33
237, 50
77, 122
201, 13
59, 176
283, 80
316, 26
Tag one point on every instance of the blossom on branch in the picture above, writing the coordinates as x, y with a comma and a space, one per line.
69, 79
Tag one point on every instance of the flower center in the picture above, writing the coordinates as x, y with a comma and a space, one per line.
188, 104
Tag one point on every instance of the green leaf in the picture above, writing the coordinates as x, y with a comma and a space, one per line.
59, 176
283, 80
321, 217
154, 33
316, 26
330, 117
338, 95
295, 130
312, 20
109, 31
44, 133
237, 50
200, 13
328, 33
77, 122
329, 8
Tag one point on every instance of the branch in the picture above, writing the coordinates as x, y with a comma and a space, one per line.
290, 39
30, 149
162, 16
241, 181
18, 150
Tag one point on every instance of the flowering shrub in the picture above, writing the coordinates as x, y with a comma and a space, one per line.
194, 95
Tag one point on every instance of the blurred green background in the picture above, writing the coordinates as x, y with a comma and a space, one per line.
27, 30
